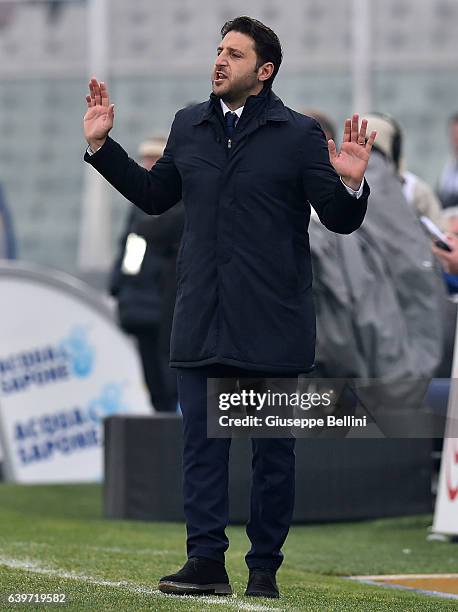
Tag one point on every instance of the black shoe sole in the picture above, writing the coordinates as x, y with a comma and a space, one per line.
182, 588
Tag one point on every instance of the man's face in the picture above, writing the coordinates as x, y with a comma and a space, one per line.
234, 75
454, 137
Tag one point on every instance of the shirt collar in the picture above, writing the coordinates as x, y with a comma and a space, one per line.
226, 109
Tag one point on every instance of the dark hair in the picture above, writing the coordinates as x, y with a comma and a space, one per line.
266, 43
454, 118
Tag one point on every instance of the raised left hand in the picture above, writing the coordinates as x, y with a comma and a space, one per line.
351, 161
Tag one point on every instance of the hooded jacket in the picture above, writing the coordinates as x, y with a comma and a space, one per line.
378, 295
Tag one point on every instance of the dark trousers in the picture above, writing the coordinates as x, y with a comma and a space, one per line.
205, 479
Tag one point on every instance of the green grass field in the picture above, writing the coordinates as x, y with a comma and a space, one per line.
53, 539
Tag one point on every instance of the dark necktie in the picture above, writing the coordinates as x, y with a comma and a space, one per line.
231, 118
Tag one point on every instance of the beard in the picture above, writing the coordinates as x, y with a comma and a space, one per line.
238, 89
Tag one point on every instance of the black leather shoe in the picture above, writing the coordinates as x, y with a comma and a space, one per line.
198, 576
262, 583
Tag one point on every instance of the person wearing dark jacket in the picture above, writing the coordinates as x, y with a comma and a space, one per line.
144, 286
246, 167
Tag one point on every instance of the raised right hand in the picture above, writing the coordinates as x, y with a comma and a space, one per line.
99, 116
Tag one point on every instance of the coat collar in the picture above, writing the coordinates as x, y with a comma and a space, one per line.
274, 109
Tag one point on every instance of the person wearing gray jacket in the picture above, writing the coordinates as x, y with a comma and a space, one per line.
378, 294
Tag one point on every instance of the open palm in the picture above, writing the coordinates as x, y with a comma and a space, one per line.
99, 116
350, 162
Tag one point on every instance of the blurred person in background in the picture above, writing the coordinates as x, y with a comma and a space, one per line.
449, 263
418, 194
377, 294
449, 260
448, 182
394, 229
246, 166
143, 281
7, 237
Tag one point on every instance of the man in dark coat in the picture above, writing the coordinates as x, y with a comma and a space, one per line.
246, 168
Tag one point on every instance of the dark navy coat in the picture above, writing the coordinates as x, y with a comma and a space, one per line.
244, 273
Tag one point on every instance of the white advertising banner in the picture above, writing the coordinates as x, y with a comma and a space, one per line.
446, 510
64, 367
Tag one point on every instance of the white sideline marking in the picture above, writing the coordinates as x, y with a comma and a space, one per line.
33, 566
109, 549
